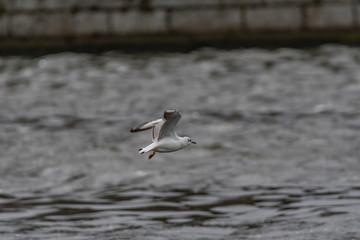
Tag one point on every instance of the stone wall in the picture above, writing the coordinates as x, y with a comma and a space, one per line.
77, 19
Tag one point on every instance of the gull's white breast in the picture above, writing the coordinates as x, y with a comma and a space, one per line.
170, 145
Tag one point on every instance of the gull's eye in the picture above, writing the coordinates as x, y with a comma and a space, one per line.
189, 140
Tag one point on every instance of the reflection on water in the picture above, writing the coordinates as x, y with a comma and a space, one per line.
277, 154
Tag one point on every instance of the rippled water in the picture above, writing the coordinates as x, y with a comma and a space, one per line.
277, 155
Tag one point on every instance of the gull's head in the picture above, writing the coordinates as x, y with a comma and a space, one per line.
188, 141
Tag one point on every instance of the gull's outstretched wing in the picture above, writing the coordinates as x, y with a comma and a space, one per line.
155, 125
147, 125
167, 128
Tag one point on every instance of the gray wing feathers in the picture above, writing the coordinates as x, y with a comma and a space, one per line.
156, 130
161, 127
146, 126
172, 118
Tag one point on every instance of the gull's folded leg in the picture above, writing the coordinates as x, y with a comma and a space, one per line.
151, 155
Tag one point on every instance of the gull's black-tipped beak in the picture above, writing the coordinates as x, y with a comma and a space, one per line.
193, 142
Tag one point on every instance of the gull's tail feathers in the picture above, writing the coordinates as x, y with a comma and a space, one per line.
148, 148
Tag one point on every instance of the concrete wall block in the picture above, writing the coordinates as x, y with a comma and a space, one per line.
357, 17
88, 23
4, 25
206, 20
335, 1
119, 3
138, 22
81, 4
286, 2
26, 24
49, 24
329, 16
185, 4
6, 4
55, 4
25, 5
22, 24
67, 4
255, 2
85, 4
271, 18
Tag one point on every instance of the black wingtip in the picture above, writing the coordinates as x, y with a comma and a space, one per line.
168, 113
134, 130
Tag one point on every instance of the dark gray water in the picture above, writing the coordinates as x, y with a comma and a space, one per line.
278, 135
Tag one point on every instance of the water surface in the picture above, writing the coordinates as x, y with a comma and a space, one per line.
277, 154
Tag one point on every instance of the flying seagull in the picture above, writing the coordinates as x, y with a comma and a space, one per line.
164, 139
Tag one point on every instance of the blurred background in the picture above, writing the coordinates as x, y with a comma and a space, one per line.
269, 90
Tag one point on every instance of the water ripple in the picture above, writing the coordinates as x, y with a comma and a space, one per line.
277, 154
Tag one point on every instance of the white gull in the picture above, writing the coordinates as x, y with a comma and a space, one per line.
164, 139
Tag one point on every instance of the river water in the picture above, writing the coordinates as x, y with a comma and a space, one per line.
277, 154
